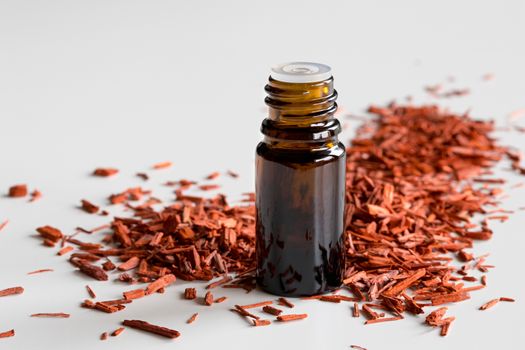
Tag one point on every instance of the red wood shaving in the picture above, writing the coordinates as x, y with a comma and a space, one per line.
355, 310
291, 317
104, 172
145, 326
143, 176
511, 300
162, 165
272, 310
160, 283
89, 207
357, 347
117, 331
192, 318
190, 293
220, 300
489, 304
208, 299
3, 224
134, 294
50, 233
244, 312
11, 291
285, 302
209, 187
35, 195
130, 264
65, 250
262, 303
384, 319
40, 271
220, 282
7, 334
233, 174
18, 191
91, 292
51, 315
104, 336
213, 175
258, 323
89, 269
108, 266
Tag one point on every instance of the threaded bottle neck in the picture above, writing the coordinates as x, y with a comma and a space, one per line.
301, 112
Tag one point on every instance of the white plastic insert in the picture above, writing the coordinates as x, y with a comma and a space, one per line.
301, 72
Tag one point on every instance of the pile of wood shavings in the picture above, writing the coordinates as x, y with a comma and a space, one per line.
416, 176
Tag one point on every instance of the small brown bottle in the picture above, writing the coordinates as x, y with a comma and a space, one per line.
300, 184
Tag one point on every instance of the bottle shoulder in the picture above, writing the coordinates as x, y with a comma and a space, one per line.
325, 153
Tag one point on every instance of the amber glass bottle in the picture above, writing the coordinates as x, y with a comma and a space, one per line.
300, 184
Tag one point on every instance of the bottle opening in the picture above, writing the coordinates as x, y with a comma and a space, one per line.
300, 72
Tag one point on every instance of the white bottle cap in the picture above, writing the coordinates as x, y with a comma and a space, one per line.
301, 72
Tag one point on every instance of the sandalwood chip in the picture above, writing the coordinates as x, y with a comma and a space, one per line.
258, 323
272, 310
162, 165
117, 331
160, 283
39, 271
489, 304
208, 298
11, 291
3, 224
192, 318
104, 336
285, 302
35, 195
52, 315
7, 334
130, 264
104, 172
242, 311
148, 327
259, 304
91, 292
134, 294
291, 317
220, 300
18, 191
190, 293
90, 270
89, 207
50, 233
65, 250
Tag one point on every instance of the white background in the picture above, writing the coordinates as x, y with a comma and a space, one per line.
131, 83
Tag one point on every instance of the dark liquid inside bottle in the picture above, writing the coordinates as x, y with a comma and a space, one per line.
300, 189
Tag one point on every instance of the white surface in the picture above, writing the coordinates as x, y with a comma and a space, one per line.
131, 83
300, 72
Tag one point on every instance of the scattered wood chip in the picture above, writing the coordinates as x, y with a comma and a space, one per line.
147, 327
162, 165
7, 334
117, 331
40, 271
51, 315
11, 291
192, 318
104, 172
89, 207
291, 317
18, 191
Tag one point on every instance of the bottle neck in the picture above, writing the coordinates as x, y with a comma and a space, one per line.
301, 114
